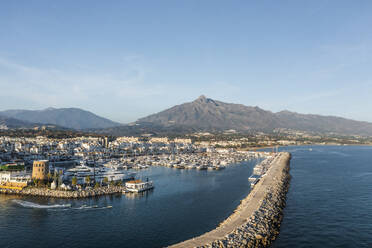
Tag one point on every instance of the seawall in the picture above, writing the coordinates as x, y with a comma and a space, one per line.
44, 192
256, 221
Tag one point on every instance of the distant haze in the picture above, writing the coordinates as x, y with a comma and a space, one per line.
65, 117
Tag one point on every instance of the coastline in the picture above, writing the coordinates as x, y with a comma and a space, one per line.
44, 192
256, 221
258, 148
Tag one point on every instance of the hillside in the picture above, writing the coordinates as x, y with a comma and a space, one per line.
7, 122
211, 115
66, 117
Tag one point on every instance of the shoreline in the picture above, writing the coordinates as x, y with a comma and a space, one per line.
256, 221
258, 148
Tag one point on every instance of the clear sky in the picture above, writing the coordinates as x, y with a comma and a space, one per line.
126, 59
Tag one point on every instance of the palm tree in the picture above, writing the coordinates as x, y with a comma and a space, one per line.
105, 180
49, 176
87, 180
74, 181
96, 185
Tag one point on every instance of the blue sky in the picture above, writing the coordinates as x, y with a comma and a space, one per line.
127, 59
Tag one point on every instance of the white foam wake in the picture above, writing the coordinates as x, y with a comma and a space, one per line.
85, 207
27, 204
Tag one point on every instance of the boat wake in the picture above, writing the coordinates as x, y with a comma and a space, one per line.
94, 207
28, 204
83, 207
58, 207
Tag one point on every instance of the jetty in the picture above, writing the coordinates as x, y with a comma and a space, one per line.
45, 192
256, 221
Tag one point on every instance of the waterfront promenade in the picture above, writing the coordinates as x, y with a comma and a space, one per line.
256, 221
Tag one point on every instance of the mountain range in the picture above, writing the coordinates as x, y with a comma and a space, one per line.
6, 122
211, 115
74, 118
202, 114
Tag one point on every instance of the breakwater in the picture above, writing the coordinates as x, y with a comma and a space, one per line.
29, 191
256, 221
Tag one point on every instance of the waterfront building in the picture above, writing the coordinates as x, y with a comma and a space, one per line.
10, 179
14, 175
159, 140
183, 141
106, 142
137, 186
40, 169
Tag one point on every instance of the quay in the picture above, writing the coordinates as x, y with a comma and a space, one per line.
256, 221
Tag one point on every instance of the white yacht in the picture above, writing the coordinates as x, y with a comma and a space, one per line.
99, 173
253, 180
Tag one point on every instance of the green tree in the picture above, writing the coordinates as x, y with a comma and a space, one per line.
105, 180
40, 183
96, 185
49, 176
55, 176
74, 181
87, 180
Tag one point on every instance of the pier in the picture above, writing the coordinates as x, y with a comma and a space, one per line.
256, 221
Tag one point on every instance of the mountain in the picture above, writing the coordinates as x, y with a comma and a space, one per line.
324, 124
66, 117
206, 114
6, 122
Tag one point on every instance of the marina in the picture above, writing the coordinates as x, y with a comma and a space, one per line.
87, 167
205, 197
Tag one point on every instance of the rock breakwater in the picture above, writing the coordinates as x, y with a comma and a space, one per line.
256, 221
65, 194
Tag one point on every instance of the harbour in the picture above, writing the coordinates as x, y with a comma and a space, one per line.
90, 167
188, 203
135, 220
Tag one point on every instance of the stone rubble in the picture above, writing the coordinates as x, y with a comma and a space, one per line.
262, 228
30, 191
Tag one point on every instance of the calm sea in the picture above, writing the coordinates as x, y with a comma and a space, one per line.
184, 203
329, 203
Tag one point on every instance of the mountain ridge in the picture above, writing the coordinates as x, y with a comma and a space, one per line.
74, 118
212, 115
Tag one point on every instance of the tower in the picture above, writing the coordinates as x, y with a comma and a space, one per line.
40, 169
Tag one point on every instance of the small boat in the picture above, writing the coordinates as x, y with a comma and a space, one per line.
201, 167
254, 181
